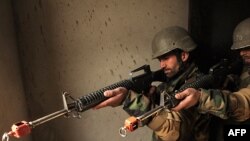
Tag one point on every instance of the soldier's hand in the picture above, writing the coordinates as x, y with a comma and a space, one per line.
189, 97
116, 97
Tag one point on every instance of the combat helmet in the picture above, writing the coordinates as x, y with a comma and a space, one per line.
241, 35
171, 38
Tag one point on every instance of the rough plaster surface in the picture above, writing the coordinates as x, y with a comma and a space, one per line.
80, 46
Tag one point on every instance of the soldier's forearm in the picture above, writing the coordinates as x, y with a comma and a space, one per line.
213, 102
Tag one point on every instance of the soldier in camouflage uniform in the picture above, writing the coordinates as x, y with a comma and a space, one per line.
173, 48
231, 106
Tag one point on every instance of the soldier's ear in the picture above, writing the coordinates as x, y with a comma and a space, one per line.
184, 56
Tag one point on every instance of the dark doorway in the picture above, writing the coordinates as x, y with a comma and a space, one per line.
211, 24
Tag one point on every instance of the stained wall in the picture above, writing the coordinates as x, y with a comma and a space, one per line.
80, 46
13, 106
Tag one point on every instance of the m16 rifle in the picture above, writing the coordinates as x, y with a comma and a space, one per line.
140, 83
214, 79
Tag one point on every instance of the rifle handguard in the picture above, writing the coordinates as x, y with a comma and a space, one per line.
205, 81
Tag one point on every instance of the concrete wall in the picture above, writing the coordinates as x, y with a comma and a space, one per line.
80, 46
12, 100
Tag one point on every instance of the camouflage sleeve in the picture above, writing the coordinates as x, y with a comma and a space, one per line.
225, 104
136, 104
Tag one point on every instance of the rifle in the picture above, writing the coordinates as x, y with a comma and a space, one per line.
214, 79
140, 83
